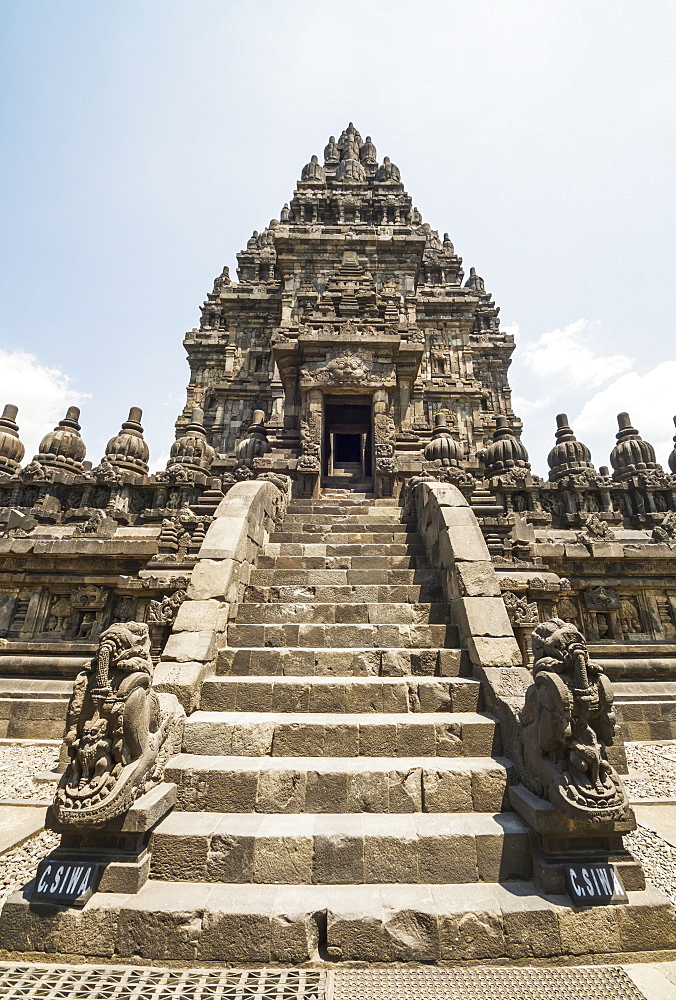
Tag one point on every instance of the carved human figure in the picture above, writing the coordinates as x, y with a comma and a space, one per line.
629, 616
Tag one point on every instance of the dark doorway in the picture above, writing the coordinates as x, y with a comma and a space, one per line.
347, 448
347, 439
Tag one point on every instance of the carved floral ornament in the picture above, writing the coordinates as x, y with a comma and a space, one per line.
521, 611
350, 367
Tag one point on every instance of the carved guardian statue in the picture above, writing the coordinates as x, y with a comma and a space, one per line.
119, 731
567, 723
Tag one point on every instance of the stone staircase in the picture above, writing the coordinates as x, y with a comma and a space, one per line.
341, 794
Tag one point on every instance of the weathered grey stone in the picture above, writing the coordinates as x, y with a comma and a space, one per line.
184, 647
198, 616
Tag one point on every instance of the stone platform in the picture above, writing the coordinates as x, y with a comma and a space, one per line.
341, 795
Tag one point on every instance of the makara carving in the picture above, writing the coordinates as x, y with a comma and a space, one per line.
119, 731
567, 723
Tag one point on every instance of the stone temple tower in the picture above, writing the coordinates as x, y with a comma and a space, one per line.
351, 327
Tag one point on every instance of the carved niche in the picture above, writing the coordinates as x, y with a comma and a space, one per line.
119, 731
566, 725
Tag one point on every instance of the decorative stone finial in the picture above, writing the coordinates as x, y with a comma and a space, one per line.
368, 153
448, 246
631, 454
313, 171
11, 449
63, 448
256, 443
331, 152
568, 456
443, 447
475, 281
127, 450
388, 171
192, 449
672, 457
505, 452
350, 170
285, 213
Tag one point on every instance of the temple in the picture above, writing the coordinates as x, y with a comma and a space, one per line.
346, 681
352, 328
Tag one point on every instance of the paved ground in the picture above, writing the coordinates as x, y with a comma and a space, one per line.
652, 787
544, 982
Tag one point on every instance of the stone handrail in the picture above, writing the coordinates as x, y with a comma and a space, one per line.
456, 548
226, 558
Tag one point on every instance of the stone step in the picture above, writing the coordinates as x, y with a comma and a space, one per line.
377, 516
355, 594
370, 534
342, 505
341, 577
307, 849
313, 523
344, 549
339, 694
205, 922
337, 614
339, 784
283, 561
344, 662
337, 636
337, 734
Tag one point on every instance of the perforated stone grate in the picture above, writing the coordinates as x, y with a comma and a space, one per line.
481, 983
53, 982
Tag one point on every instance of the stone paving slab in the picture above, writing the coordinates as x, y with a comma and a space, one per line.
18, 823
660, 817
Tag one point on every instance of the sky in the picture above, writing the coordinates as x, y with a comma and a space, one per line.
142, 142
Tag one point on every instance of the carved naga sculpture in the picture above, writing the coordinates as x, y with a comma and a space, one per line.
119, 731
566, 724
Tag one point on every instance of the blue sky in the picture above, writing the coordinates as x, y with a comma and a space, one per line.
144, 141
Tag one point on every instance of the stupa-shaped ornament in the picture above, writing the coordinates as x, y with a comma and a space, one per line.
443, 447
569, 456
505, 452
631, 455
256, 443
128, 451
313, 172
672, 456
63, 448
388, 171
192, 449
11, 448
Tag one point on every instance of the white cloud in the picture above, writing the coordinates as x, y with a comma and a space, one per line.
42, 394
524, 406
649, 399
563, 359
159, 464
